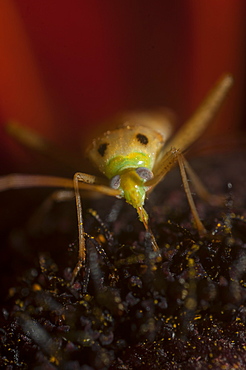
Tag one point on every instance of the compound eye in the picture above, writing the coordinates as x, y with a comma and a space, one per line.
144, 173
115, 182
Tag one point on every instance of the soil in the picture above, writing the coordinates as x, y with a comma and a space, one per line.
128, 308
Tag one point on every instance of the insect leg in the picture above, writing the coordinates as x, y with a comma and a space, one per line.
89, 181
80, 181
170, 159
20, 181
201, 229
202, 191
167, 162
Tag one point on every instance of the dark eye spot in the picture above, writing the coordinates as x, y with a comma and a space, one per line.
142, 139
102, 149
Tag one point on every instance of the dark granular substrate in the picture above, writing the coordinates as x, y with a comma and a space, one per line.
130, 308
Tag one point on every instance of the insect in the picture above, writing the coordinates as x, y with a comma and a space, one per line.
134, 158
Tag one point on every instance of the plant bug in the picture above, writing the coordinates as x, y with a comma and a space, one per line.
134, 158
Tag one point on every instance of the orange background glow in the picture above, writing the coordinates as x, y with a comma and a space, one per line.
66, 66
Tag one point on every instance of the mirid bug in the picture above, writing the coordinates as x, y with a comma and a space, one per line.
134, 158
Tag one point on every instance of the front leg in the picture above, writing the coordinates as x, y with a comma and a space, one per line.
169, 160
81, 181
90, 181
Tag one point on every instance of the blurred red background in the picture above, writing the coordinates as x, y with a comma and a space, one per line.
66, 66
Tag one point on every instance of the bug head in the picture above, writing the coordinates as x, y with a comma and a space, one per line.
125, 147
